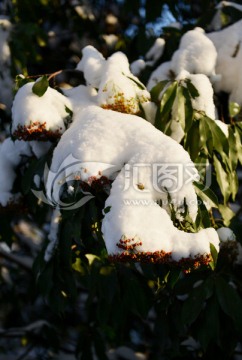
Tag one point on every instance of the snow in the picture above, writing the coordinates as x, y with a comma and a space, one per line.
226, 234
33, 112
119, 89
196, 54
80, 97
162, 72
228, 45
92, 65
12, 153
130, 140
155, 52
137, 66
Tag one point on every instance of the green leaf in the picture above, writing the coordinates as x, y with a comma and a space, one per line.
173, 277
234, 109
20, 81
137, 82
163, 113
40, 86
68, 111
192, 141
234, 184
209, 325
203, 218
220, 142
230, 301
227, 214
188, 109
181, 114
194, 304
192, 89
238, 145
233, 150
214, 255
206, 136
157, 89
107, 209
206, 194
222, 179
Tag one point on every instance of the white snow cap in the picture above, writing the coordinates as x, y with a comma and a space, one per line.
155, 52
226, 234
128, 139
196, 54
228, 45
137, 66
92, 64
31, 113
80, 97
162, 72
119, 89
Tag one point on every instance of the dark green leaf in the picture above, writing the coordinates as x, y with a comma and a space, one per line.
192, 89
222, 179
192, 141
195, 302
220, 142
206, 136
107, 209
173, 277
206, 194
230, 301
40, 86
214, 254
167, 100
188, 109
181, 114
209, 325
21, 81
157, 89
233, 149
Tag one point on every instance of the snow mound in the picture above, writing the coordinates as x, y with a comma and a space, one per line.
151, 163
37, 117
